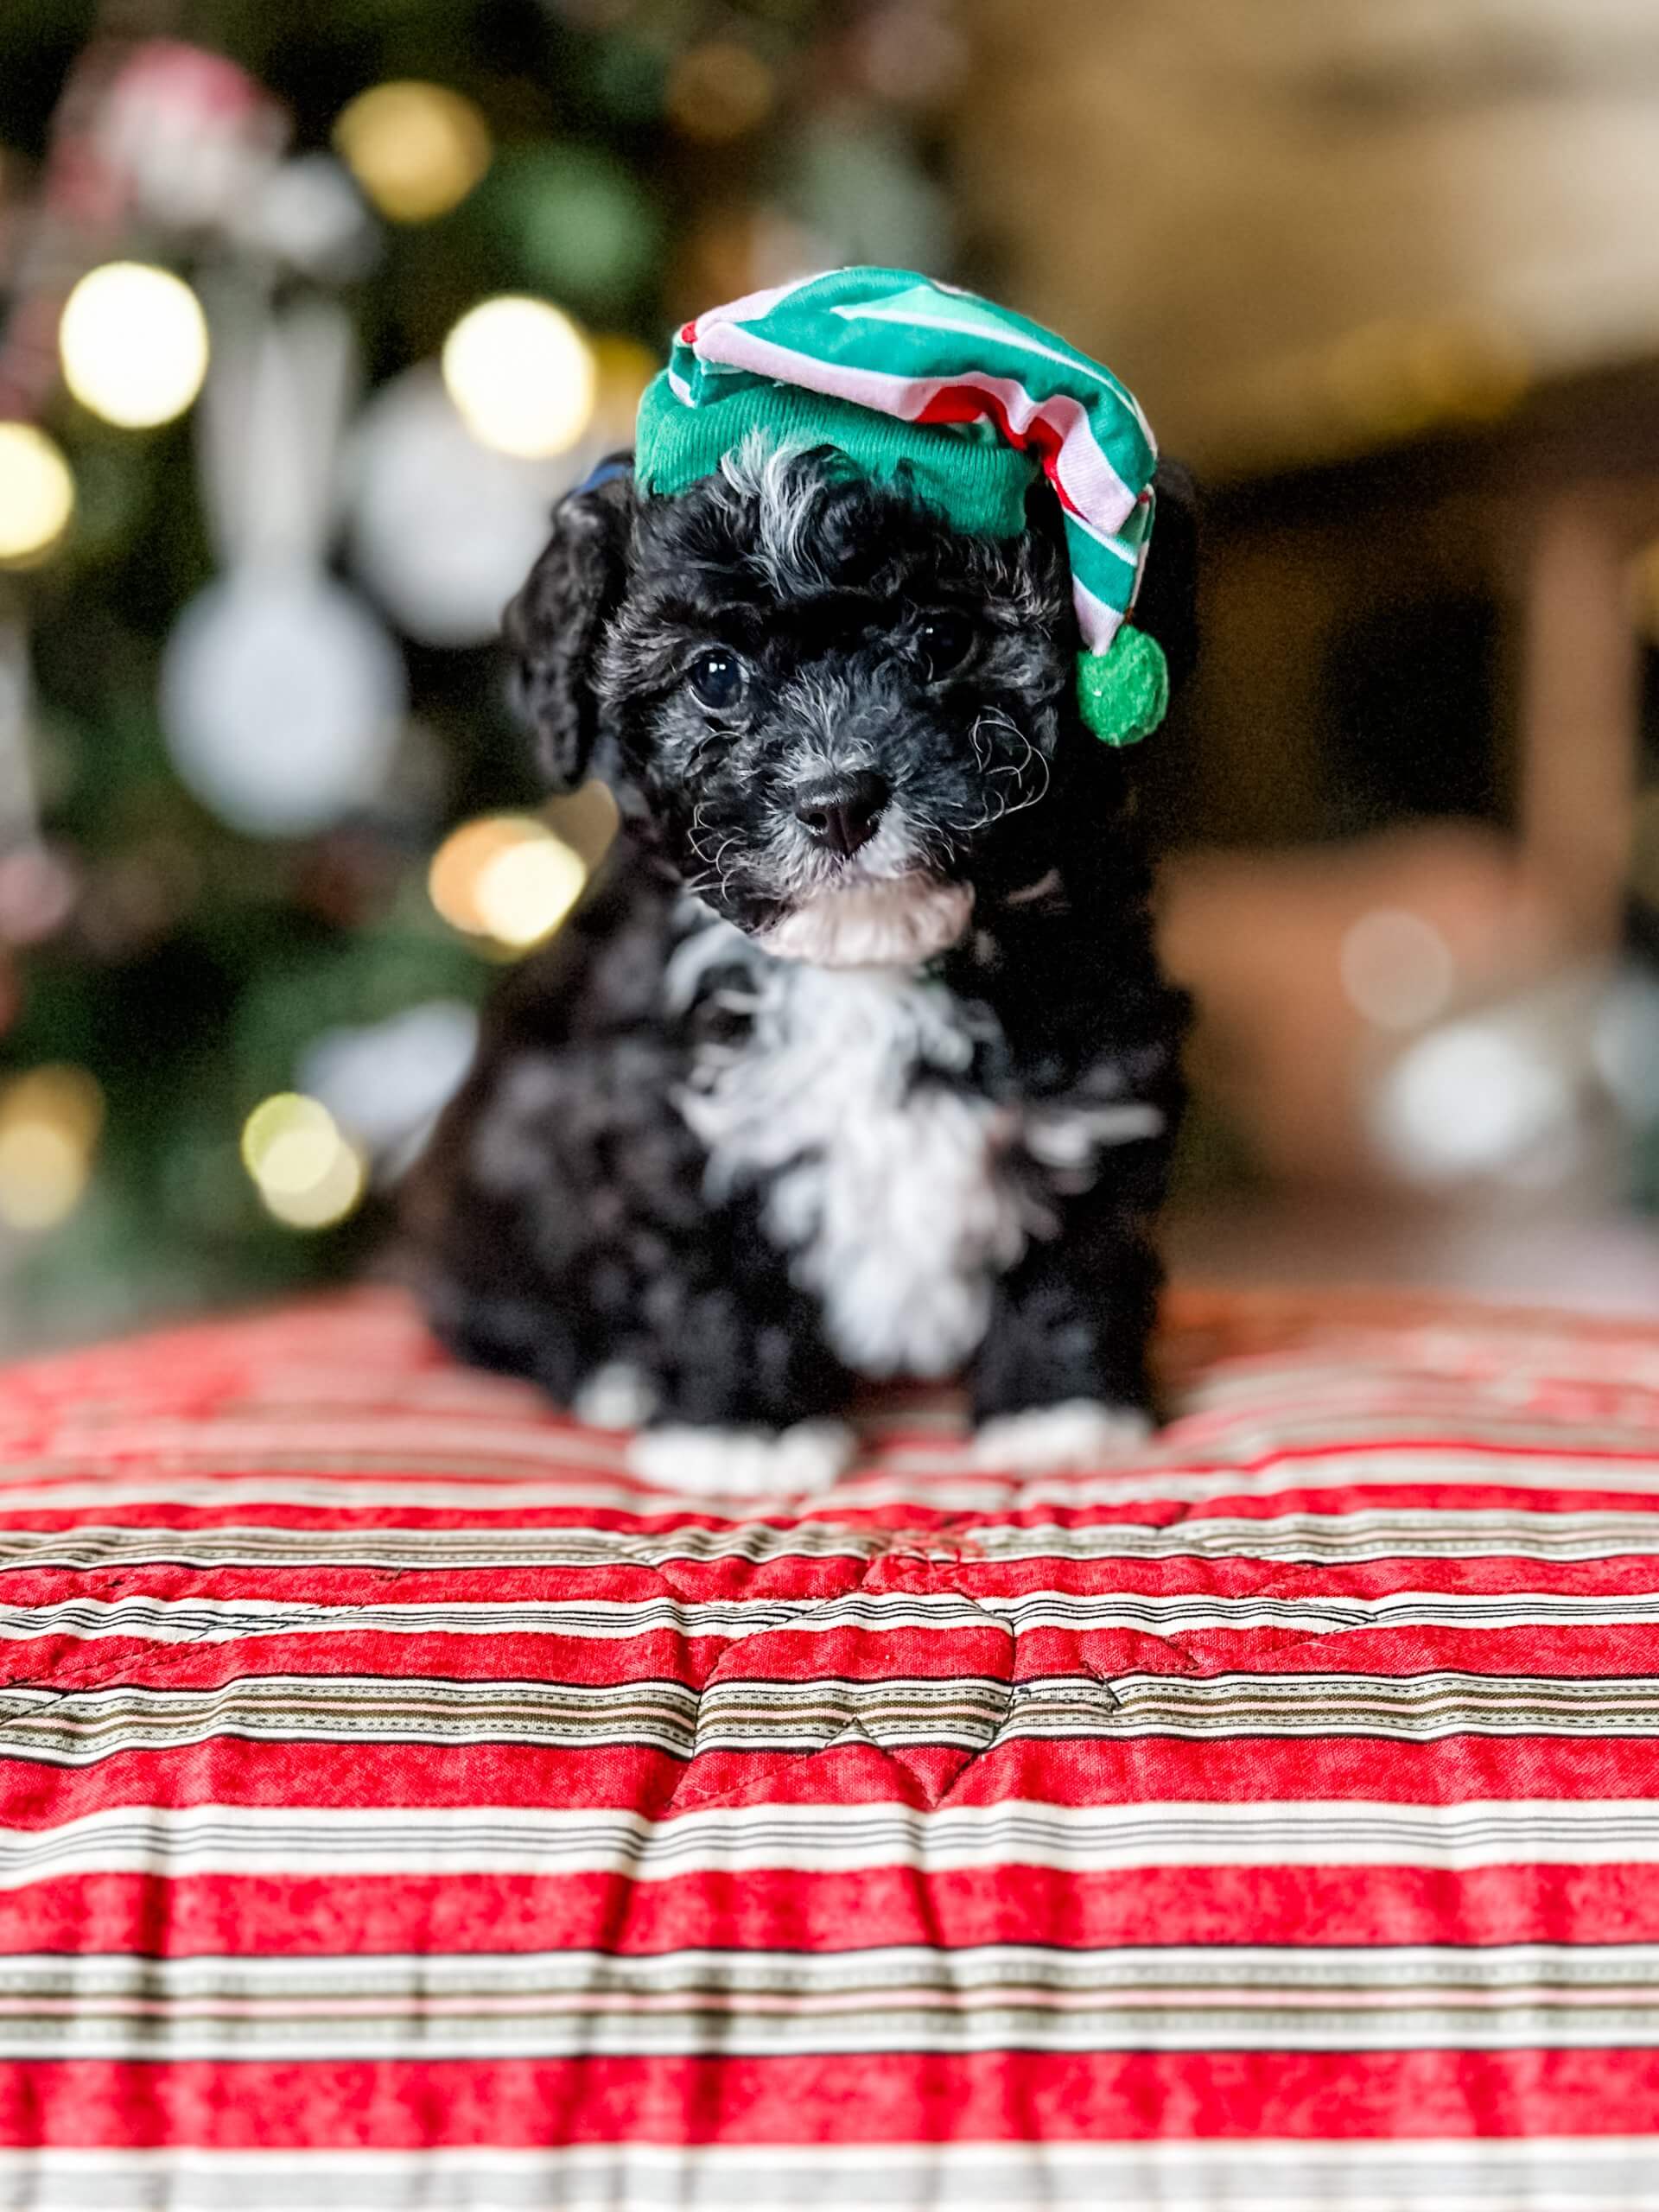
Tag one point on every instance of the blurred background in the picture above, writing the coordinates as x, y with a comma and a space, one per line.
309, 311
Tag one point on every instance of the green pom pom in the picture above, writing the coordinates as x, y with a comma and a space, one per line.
1124, 692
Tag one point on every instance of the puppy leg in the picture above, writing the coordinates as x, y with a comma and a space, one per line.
1060, 1379
747, 1394
566, 1236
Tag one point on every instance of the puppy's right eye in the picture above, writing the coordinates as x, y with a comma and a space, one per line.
717, 678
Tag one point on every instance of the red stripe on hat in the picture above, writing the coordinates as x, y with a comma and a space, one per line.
969, 403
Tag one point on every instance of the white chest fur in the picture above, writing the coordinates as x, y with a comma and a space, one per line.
890, 1187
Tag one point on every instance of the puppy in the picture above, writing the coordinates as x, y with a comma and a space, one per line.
856, 1062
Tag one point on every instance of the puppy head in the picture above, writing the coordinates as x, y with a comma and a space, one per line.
839, 721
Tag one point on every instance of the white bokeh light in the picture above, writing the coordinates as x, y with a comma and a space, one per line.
442, 530
1471, 1099
521, 375
37, 494
1396, 968
134, 344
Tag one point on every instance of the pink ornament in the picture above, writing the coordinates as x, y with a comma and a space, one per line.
187, 134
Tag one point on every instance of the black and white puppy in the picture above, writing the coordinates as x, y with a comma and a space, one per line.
856, 1062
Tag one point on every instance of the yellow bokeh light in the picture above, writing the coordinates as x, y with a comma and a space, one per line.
526, 890
521, 375
42, 1174
49, 1123
452, 880
416, 149
37, 494
506, 877
309, 1174
720, 90
335, 1193
623, 369
134, 344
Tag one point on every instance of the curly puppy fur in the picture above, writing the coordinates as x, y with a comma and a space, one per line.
786, 1106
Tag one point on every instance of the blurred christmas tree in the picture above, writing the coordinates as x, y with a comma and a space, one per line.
307, 313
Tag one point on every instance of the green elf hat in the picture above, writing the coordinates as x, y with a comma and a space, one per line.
965, 403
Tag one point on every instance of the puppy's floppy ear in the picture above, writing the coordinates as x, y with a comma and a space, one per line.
1167, 605
554, 626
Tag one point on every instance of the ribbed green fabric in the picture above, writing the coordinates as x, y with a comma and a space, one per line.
965, 471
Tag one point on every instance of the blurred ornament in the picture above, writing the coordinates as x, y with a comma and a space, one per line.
719, 91
37, 494
574, 221
1397, 969
133, 341
506, 877
19, 803
442, 529
37, 894
311, 216
271, 426
521, 375
418, 150
308, 1175
281, 698
49, 1124
385, 1081
190, 136
912, 52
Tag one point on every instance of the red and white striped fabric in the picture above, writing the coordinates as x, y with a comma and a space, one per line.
404, 1807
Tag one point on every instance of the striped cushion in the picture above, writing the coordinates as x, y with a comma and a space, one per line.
406, 1808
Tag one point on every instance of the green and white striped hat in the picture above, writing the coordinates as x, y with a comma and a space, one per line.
962, 402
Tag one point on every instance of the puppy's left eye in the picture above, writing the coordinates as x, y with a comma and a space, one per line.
945, 641
717, 678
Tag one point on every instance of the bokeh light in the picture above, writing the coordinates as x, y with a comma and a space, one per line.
418, 150
1396, 968
522, 374
576, 224
720, 90
49, 1124
623, 368
307, 1173
506, 877
37, 494
134, 344
527, 889
1471, 1099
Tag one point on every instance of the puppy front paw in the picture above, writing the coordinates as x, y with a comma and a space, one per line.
772, 1462
1078, 1433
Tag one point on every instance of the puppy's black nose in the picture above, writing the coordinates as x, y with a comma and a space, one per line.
842, 812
